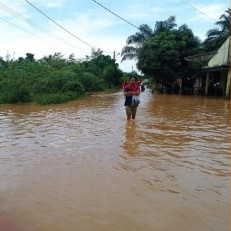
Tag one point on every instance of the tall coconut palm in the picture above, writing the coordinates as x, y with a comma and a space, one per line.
216, 36
163, 26
134, 42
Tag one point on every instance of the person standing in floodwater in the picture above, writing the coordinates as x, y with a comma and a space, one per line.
130, 90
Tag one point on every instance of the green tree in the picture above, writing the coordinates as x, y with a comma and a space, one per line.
158, 57
216, 36
105, 68
187, 45
134, 42
54, 79
91, 82
71, 58
30, 57
112, 75
55, 61
162, 57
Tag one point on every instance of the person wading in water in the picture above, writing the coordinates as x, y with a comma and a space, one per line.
130, 90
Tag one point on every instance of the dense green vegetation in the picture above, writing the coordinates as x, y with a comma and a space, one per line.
160, 55
161, 52
163, 55
54, 79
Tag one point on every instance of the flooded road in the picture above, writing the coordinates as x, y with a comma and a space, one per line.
82, 166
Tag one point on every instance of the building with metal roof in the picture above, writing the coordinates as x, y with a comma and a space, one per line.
218, 72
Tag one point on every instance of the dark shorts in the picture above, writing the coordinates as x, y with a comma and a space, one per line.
131, 110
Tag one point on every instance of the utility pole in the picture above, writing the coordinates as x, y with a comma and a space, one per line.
114, 54
132, 68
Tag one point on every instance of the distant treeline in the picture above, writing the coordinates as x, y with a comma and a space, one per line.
54, 79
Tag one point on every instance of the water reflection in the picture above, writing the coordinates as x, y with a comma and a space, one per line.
131, 143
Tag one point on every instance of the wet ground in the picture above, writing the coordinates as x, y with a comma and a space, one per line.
82, 166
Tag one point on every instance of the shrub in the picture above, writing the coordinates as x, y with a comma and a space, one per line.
14, 92
55, 98
91, 82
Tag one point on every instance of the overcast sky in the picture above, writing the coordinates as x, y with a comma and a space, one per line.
25, 30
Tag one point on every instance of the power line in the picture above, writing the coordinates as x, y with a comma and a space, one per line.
198, 10
60, 25
16, 26
23, 19
11, 11
23, 29
116, 14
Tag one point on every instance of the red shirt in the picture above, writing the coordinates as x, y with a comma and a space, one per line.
129, 87
124, 84
128, 99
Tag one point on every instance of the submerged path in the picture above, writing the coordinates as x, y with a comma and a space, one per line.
82, 166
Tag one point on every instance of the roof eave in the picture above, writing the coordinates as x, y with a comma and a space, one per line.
217, 68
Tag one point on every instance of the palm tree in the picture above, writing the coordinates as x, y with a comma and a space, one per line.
167, 25
216, 36
134, 42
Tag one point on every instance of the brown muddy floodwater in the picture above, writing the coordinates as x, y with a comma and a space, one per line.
81, 166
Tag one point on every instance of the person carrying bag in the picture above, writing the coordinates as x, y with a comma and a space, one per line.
135, 100
131, 93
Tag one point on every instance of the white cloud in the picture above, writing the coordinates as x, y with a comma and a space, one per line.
55, 4
142, 12
88, 22
93, 25
49, 3
208, 12
9, 8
